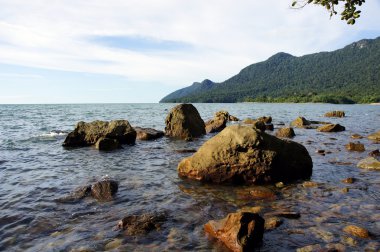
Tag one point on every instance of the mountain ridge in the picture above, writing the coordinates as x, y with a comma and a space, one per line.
347, 75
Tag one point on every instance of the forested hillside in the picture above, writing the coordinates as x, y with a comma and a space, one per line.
348, 75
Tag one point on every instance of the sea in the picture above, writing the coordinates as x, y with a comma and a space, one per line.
35, 171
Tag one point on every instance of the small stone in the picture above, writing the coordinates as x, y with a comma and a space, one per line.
355, 147
349, 180
356, 231
356, 136
113, 244
272, 223
309, 184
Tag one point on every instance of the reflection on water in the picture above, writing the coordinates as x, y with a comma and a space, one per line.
35, 171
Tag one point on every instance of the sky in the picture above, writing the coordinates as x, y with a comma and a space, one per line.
138, 51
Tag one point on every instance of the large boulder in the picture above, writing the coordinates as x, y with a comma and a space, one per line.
184, 122
86, 134
331, 128
148, 133
375, 136
241, 231
242, 154
335, 113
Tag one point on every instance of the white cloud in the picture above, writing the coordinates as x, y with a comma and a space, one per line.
226, 35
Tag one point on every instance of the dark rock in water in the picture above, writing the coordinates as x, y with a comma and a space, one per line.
286, 132
300, 122
374, 153
265, 119
269, 127
77, 195
148, 133
215, 125
184, 122
355, 147
86, 134
240, 231
242, 154
335, 113
107, 144
104, 190
331, 128
369, 163
141, 224
375, 136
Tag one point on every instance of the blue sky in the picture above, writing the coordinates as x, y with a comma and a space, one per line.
70, 51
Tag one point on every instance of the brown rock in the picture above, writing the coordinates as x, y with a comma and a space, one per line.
355, 147
141, 224
375, 136
374, 153
107, 144
356, 231
272, 223
86, 134
184, 122
331, 128
148, 133
335, 113
240, 231
261, 192
104, 190
369, 163
242, 154
286, 132
300, 122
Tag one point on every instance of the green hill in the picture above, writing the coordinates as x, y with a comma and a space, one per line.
347, 75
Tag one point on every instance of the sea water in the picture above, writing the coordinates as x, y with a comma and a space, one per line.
35, 170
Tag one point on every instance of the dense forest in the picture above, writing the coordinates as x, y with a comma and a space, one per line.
348, 75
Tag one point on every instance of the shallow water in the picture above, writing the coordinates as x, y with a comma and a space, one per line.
35, 170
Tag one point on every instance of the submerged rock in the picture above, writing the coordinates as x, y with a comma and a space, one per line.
355, 146
148, 133
286, 132
184, 122
331, 128
107, 144
141, 224
375, 136
356, 231
86, 134
104, 190
241, 231
335, 113
369, 163
242, 154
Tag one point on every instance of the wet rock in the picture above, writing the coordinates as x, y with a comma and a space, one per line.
141, 224
374, 153
355, 147
331, 128
375, 136
240, 231
300, 122
148, 133
286, 132
241, 154
265, 119
269, 126
349, 180
184, 122
335, 113
356, 231
86, 134
272, 223
104, 190
215, 125
369, 163
356, 136
107, 144
261, 192
309, 184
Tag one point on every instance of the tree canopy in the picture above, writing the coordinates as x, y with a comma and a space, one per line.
349, 13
